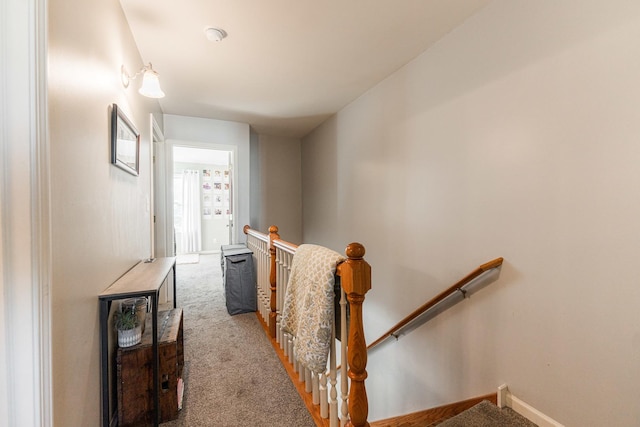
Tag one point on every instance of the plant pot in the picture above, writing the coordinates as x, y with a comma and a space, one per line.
129, 337
138, 306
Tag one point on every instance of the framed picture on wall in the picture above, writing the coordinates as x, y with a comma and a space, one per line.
125, 142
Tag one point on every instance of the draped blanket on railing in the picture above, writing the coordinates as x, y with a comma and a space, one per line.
308, 311
296, 300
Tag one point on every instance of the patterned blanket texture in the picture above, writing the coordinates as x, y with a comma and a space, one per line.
308, 310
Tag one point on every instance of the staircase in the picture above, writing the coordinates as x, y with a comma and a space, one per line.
486, 414
478, 412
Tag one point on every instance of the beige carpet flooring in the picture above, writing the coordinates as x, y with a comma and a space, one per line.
232, 374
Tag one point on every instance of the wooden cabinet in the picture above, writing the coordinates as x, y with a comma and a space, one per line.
143, 280
135, 373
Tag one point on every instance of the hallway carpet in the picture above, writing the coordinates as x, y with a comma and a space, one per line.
232, 374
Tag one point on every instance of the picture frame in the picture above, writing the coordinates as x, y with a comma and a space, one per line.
125, 142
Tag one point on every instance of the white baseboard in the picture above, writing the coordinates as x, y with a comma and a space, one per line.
505, 398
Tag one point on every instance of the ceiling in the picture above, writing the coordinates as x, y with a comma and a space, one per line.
286, 65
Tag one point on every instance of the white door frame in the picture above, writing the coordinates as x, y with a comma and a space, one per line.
157, 138
25, 232
169, 144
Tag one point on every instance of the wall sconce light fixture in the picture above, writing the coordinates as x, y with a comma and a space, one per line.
150, 86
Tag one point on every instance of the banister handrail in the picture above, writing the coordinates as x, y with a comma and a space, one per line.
291, 248
285, 246
255, 233
279, 243
455, 288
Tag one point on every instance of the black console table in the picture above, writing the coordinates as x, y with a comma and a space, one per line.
144, 280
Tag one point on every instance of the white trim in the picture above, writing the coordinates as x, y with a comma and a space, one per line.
25, 276
168, 199
156, 137
41, 220
505, 398
161, 238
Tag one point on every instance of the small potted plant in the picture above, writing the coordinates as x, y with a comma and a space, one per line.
128, 326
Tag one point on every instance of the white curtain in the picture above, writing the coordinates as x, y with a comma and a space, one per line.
191, 222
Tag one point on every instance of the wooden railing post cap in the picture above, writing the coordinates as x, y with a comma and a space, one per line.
355, 251
246, 229
273, 229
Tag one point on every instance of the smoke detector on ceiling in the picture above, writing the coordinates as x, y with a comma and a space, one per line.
215, 34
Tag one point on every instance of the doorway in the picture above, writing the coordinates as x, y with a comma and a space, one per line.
202, 199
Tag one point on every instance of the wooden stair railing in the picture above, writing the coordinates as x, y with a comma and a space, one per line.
355, 279
355, 276
273, 236
458, 287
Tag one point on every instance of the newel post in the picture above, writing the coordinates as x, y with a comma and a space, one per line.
355, 276
273, 235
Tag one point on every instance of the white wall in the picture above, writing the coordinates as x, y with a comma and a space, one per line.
100, 214
218, 133
515, 136
278, 186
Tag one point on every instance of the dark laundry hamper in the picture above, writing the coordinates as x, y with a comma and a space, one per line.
225, 248
239, 280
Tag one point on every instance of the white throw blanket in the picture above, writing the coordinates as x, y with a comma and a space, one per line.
308, 304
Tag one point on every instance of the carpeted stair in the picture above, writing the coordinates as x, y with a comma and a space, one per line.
486, 414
